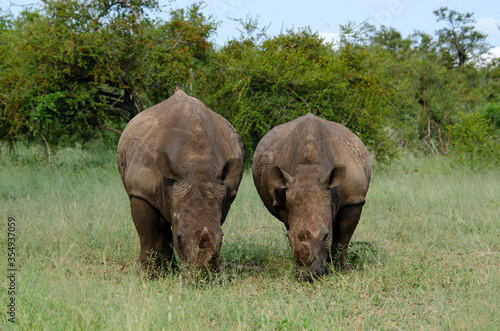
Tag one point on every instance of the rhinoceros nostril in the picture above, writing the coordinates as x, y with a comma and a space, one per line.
302, 252
304, 235
205, 241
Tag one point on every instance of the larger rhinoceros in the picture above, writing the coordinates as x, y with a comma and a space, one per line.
181, 165
313, 175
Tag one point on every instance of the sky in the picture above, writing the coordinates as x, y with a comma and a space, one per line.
325, 17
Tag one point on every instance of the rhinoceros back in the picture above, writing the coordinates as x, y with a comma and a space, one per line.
313, 140
186, 130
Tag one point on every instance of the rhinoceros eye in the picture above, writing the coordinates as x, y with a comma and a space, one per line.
325, 239
168, 181
223, 174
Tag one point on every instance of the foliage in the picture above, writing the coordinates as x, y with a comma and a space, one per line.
435, 99
473, 141
259, 84
77, 66
434, 92
391, 39
491, 112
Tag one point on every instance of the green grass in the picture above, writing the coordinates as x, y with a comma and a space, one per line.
427, 253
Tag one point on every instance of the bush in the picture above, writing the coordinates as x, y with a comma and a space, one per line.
491, 112
258, 85
473, 140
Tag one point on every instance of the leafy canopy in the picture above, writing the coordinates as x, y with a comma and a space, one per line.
259, 83
75, 67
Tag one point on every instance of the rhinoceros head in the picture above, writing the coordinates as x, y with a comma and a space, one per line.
308, 203
200, 196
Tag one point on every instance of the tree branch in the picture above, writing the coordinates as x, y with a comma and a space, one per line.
121, 102
136, 99
48, 147
439, 135
103, 127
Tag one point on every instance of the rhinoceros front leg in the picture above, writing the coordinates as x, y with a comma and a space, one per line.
343, 228
155, 236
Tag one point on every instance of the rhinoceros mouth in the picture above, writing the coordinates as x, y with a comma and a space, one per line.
311, 273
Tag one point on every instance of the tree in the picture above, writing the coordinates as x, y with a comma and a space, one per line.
74, 67
460, 39
423, 45
390, 39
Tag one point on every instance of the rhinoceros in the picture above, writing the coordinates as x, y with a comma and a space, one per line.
313, 175
181, 165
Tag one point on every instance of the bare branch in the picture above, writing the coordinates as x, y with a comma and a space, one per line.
49, 154
102, 127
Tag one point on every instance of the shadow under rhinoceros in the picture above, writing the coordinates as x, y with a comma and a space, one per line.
251, 259
363, 253
360, 255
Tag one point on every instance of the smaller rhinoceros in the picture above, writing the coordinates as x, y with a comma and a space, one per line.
181, 165
313, 175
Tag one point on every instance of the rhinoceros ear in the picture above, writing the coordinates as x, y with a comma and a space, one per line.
333, 178
232, 170
279, 182
170, 170
279, 178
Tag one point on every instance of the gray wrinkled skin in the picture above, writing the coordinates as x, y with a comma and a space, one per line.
181, 165
313, 175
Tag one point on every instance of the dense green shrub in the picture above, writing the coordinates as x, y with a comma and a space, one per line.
473, 142
258, 85
491, 113
71, 69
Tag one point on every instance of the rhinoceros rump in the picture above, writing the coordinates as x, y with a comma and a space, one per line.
181, 165
313, 175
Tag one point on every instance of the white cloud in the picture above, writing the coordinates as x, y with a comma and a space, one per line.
330, 36
495, 52
488, 25
488, 58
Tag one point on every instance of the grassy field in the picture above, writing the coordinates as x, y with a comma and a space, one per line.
426, 252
